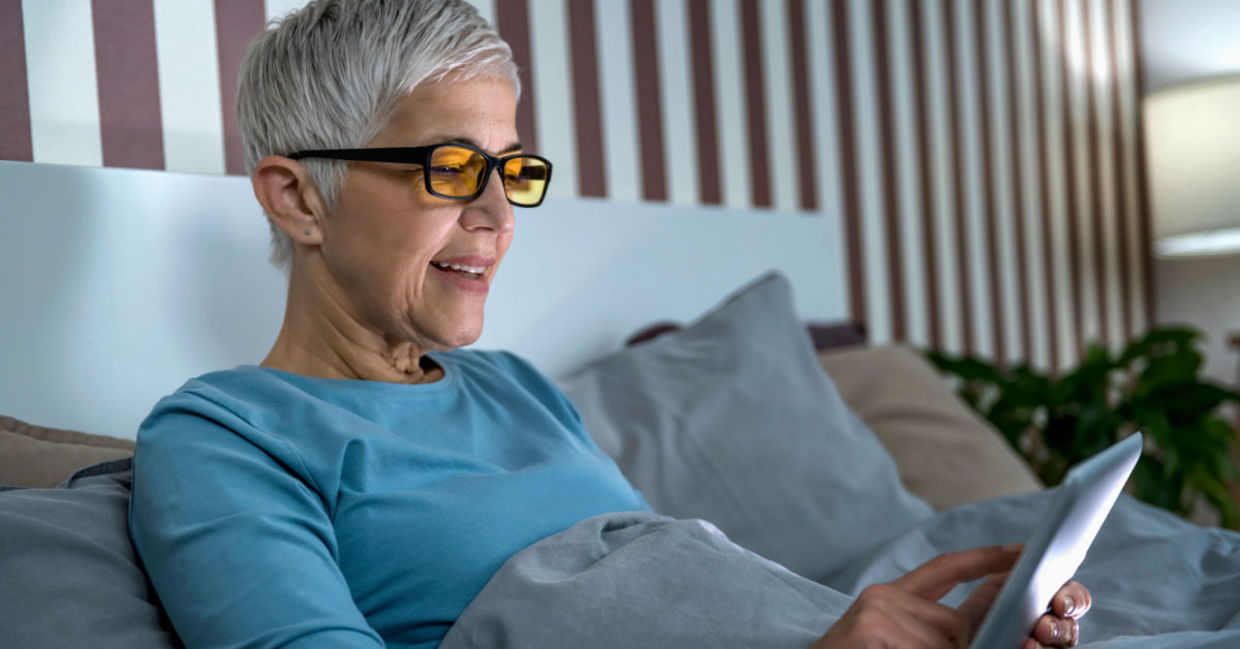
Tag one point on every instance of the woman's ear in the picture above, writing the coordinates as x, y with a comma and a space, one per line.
291, 200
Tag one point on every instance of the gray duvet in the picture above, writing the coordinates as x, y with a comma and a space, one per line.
640, 580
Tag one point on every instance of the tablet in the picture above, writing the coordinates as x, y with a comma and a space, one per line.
1057, 545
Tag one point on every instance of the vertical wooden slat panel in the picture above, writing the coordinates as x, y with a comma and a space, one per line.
989, 195
1007, 37
1143, 202
921, 63
755, 85
15, 100
128, 82
592, 172
1069, 174
1101, 281
512, 20
704, 102
849, 181
806, 166
1123, 209
649, 102
236, 22
1044, 186
890, 180
958, 171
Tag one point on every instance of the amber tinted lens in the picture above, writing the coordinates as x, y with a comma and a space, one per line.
455, 172
525, 179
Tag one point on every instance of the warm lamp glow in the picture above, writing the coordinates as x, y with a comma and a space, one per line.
1192, 137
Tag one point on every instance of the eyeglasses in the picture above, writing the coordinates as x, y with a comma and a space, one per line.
458, 172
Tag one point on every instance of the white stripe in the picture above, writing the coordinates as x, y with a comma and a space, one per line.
820, 47
1128, 118
189, 86
1078, 85
1004, 196
951, 263
978, 270
272, 9
679, 140
618, 107
916, 284
1104, 75
730, 103
1056, 151
60, 73
870, 172
553, 97
781, 122
1035, 203
486, 9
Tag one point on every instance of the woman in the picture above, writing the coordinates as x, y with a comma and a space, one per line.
360, 485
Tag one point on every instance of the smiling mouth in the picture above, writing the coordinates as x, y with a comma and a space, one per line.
469, 272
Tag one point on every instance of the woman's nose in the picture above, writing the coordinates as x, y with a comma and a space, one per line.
491, 210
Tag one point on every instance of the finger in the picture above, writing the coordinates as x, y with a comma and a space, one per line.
1032, 644
1072, 601
882, 604
946, 622
1055, 631
933, 579
978, 604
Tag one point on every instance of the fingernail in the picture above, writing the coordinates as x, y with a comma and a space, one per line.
1069, 606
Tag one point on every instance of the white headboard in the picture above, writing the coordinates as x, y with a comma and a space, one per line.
118, 285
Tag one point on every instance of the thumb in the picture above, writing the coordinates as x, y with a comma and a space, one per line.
979, 602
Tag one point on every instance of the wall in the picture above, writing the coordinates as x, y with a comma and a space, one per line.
980, 155
1185, 42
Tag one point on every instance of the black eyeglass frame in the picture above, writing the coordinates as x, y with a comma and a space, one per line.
421, 155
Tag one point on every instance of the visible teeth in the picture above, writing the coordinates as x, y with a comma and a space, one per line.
477, 270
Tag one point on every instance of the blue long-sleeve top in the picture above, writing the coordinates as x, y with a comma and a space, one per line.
276, 510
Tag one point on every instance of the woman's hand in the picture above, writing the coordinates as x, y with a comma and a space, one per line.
1060, 628
905, 613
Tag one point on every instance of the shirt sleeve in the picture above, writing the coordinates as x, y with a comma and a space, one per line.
238, 545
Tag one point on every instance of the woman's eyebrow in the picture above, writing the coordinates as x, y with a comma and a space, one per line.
515, 146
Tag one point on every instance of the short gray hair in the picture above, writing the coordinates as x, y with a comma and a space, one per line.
328, 76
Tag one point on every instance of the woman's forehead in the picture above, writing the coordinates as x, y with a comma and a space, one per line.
479, 111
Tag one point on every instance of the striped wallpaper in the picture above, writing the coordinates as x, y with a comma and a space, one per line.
984, 155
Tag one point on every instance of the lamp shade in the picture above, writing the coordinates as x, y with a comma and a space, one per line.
1192, 135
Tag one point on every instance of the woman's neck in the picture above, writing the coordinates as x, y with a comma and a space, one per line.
319, 337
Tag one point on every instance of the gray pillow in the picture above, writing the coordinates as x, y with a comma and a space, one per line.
70, 576
732, 420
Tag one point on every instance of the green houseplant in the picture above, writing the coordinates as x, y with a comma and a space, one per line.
1152, 385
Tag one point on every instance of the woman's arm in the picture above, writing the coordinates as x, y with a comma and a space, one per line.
240, 549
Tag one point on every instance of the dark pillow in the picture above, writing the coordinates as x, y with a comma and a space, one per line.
70, 576
825, 335
732, 420
38, 456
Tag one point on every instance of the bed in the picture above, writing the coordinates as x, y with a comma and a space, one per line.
843, 463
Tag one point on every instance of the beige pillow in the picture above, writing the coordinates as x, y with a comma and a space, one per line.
946, 453
34, 456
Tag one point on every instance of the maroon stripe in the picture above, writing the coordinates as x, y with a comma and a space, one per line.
704, 103
649, 106
590, 165
886, 149
130, 125
1123, 209
962, 238
1048, 258
1018, 183
1095, 182
930, 254
804, 116
15, 100
855, 251
512, 21
755, 89
1143, 195
989, 195
1069, 142
236, 22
